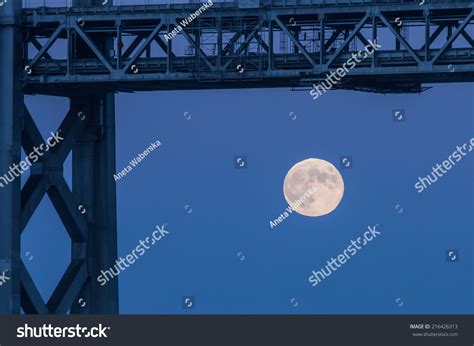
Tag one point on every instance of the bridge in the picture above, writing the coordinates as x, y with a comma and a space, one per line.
233, 46
92, 49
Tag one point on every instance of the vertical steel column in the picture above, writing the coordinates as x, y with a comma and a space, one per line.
11, 112
322, 39
219, 42
118, 22
169, 48
374, 38
449, 34
270, 44
103, 240
94, 185
197, 51
427, 34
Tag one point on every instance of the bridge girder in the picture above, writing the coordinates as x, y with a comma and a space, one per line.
87, 210
232, 47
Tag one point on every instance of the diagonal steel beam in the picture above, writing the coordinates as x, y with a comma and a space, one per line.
38, 46
400, 38
68, 287
236, 37
198, 49
453, 37
72, 126
92, 46
349, 38
133, 46
466, 36
363, 39
231, 42
244, 44
31, 195
143, 46
434, 35
331, 39
296, 42
39, 181
248, 39
31, 300
163, 45
48, 44
30, 136
261, 42
65, 204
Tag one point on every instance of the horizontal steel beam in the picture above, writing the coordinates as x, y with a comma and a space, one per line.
323, 36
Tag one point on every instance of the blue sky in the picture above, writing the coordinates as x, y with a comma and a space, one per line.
231, 208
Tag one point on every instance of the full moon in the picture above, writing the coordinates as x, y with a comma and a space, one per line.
313, 187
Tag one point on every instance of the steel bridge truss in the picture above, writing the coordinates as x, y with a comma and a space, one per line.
243, 46
87, 209
84, 135
88, 212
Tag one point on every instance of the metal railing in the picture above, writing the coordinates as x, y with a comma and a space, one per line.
68, 3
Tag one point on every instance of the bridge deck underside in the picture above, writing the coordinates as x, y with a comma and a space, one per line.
231, 47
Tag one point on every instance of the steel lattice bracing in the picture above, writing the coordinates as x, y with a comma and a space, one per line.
232, 47
11, 105
88, 210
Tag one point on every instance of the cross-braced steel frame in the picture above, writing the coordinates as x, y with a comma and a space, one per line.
88, 211
89, 51
235, 47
